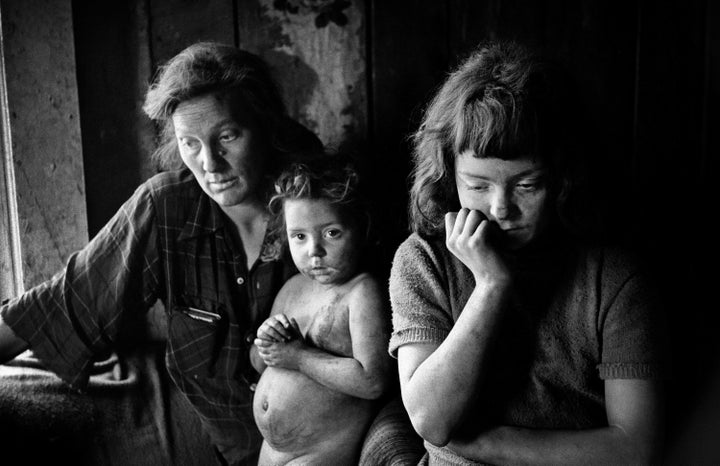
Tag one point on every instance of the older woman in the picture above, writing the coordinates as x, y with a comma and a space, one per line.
194, 237
516, 342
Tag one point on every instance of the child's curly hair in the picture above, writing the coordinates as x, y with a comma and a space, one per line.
333, 178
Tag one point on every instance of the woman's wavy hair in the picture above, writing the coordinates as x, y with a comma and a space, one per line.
331, 177
213, 68
501, 102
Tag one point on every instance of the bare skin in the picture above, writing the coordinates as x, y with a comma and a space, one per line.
321, 352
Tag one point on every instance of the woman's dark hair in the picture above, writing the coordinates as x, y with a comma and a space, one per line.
503, 102
214, 68
333, 178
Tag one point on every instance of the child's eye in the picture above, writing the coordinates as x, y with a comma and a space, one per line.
298, 236
333, 234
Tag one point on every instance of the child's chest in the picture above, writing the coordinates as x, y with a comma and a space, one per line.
326, 326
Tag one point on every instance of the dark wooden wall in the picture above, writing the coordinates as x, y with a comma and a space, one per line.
361, 74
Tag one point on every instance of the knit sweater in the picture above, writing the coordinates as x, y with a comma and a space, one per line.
580, 315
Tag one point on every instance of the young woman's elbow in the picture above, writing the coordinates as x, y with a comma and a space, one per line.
428, 427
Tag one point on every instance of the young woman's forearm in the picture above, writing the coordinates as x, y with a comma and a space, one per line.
512, 445
440, 389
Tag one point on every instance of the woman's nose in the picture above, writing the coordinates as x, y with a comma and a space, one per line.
501, 205
212, 158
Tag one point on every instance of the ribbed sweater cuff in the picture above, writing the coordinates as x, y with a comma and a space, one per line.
415, 335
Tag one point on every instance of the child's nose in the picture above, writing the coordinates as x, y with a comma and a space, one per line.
316, 249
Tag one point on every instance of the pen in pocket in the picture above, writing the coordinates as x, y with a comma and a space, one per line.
199, 314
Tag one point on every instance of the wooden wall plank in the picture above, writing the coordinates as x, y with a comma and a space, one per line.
11, 273
43, 104
320, 66
175, 24
114, 69
408, 60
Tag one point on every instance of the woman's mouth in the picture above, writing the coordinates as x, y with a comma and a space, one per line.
221, 185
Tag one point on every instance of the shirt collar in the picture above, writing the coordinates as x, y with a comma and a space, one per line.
206, 218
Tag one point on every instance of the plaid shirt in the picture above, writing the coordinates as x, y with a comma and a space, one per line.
169, 241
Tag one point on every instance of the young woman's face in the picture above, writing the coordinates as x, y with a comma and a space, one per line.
324, 246
221, 151
513, 194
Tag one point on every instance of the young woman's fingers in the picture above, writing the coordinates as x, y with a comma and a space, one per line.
460, 222
450, 218
473, 220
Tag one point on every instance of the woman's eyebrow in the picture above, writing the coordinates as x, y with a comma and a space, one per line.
522, 174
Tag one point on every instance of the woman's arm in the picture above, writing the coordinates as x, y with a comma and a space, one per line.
366, 373
635, 411
10, 344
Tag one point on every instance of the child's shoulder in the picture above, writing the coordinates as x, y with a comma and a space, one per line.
364, 284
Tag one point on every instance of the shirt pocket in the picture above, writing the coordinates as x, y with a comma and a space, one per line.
196, 329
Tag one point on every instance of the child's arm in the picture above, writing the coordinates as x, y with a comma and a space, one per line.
365, 375
276, 328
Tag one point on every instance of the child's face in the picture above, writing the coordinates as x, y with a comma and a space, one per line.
324, 246
511, 193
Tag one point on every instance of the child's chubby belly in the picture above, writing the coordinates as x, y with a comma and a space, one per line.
296, 414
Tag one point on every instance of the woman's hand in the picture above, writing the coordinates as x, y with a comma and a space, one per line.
467, 236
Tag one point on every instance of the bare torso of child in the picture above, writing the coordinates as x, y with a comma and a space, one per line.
302, 421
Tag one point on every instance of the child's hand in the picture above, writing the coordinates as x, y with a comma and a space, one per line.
276, 328
467, 235
281, 354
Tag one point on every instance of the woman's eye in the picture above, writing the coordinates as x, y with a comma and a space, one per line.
298, 236
528, 186
190, 144
479, 187
228, 136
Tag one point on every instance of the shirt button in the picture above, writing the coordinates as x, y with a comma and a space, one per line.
240, 280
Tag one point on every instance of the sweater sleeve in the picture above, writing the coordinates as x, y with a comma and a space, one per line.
418, 296
631, 324
78, 313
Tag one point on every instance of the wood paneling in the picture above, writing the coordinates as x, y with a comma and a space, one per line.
43, 107
114, 69
175, 24
409, 58
11, 272
320, 67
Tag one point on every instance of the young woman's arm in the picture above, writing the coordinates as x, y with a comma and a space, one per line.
366, 373
439, 381
634, 434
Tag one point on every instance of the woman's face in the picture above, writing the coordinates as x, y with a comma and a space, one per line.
513, 194
323, 245
220, 147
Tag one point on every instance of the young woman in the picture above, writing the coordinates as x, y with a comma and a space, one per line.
516, 342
